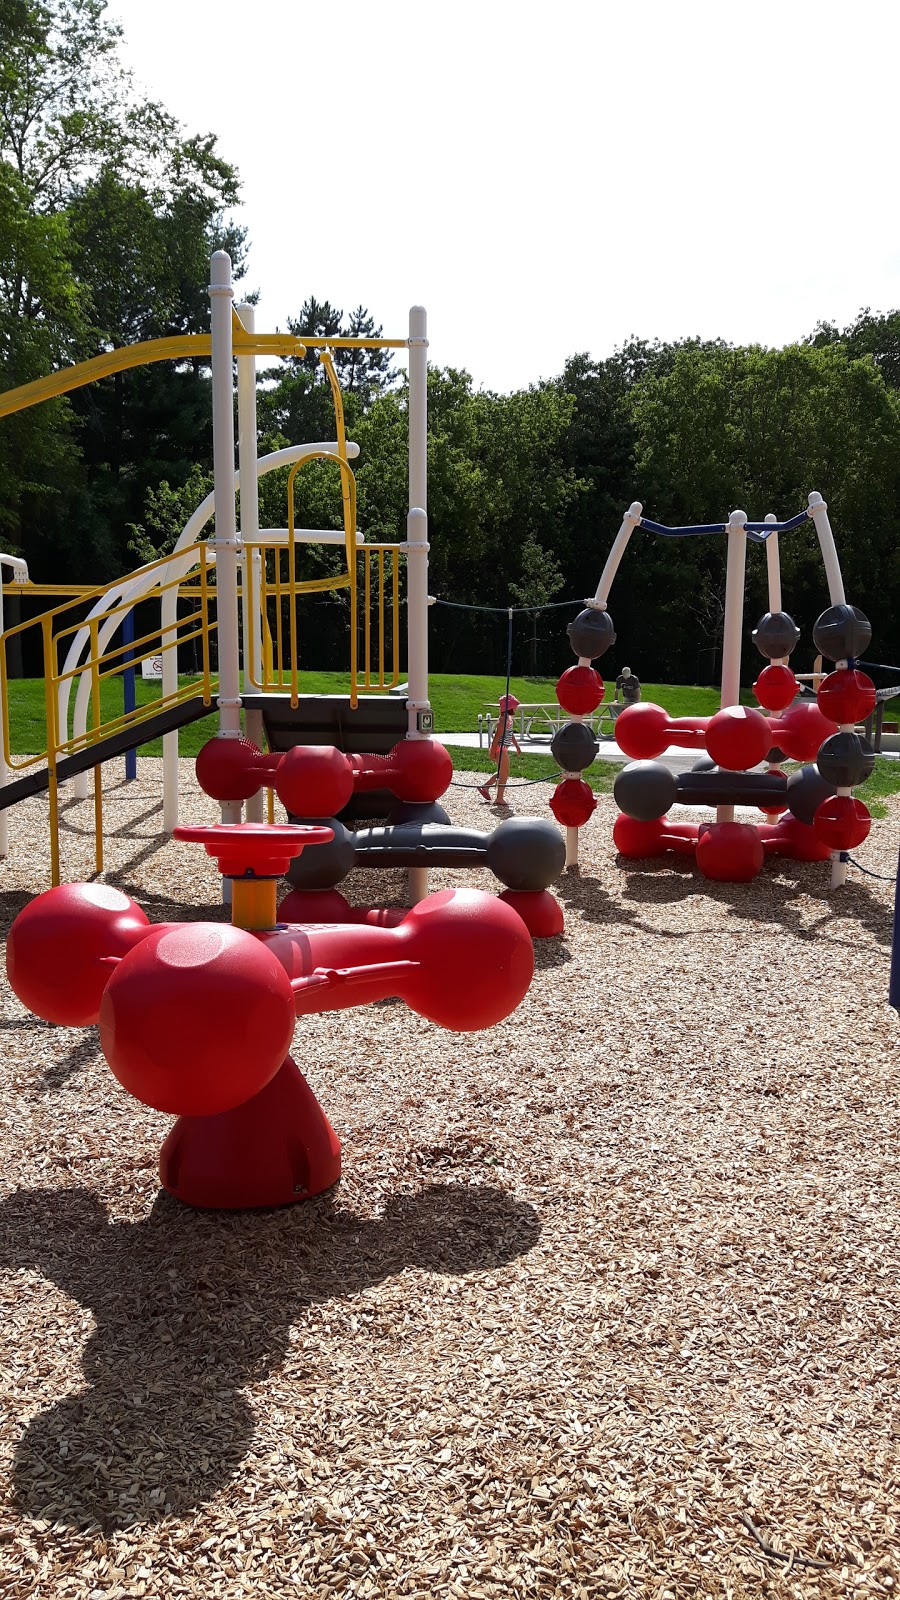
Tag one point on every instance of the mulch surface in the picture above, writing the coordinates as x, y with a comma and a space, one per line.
607, 1301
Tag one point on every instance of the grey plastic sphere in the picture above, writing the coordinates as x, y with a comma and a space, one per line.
592, 633
574, 747
842, 633
845, 760
645, 790
775, 635
417, 811
323, 866
805, 792
526, 853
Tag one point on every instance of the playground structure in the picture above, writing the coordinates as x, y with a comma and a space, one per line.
197, 1019
818, 816
235, 597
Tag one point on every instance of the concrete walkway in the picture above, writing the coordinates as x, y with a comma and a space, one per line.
676, 759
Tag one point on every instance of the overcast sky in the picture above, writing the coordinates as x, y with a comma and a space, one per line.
549, 178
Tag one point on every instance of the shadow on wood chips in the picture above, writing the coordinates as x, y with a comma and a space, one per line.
191, 1306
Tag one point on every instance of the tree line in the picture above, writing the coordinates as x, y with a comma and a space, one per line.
109, 210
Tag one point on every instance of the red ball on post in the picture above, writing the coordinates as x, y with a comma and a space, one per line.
573, 802
197, 1019
776, 687
729, 852
314, 781
842, 822
738, 738
580, 690
846, 696
232, 769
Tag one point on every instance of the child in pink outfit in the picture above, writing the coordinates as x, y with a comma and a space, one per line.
504, 738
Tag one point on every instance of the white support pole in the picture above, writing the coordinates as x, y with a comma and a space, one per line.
629, 522
773, 567
818, 510
417, 552
226, 540
248, 465
732, 637
571, 847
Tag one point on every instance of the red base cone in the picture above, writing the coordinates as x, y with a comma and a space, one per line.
273, 1150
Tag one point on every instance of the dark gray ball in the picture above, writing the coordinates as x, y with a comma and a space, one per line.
526, 853
775, 755
705, 764
775, 635
417, 811
645, 790
842, 633
592, 633
574, 747
322, 866
805, 792
845, 760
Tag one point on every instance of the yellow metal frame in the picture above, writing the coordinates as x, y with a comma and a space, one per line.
112, 663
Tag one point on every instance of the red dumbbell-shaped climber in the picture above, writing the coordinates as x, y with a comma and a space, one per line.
196, 1019
318, 781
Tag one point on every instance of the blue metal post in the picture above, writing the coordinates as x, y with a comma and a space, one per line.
128, 686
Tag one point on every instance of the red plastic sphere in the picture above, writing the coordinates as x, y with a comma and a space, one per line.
773, 808
638, 840
540, 911
738, 738
729, 852
801, 731
197, 1019
842, 822
314, 780
642, 731
580, 690
230, 769
423, 770
474, 956
62, 949
775, 687
573, 802
847, 696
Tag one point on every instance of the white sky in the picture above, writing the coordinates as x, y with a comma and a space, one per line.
549, 178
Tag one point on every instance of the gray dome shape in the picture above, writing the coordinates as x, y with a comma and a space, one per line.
842, 633
526, 853
323, 866
645, 790
573, 747
806, 789
845, 760
775, 635
591, 633
417, 811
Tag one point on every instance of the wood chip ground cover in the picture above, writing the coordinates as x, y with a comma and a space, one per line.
599, 1290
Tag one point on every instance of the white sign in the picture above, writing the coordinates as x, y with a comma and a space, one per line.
151, 667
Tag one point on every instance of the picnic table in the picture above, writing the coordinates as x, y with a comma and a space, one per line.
538, 719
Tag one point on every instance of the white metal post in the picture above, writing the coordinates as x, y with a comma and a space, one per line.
818, 510
20, 575
250, 591
732, 637
226, 540
629, 522
417, 552
773, 566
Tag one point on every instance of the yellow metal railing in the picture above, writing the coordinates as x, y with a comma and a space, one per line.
58, 629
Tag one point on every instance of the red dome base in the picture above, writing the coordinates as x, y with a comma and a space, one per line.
540, 911
273, 1150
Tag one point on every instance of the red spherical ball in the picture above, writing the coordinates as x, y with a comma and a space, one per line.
474, 959
423, 770
580, 691
638, 840
63, 948
738, 738
642, 731
197, 1019
801, 730
573, 802
314, 780
775, 687
729, 852
842, 822
229, 769
847, 696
